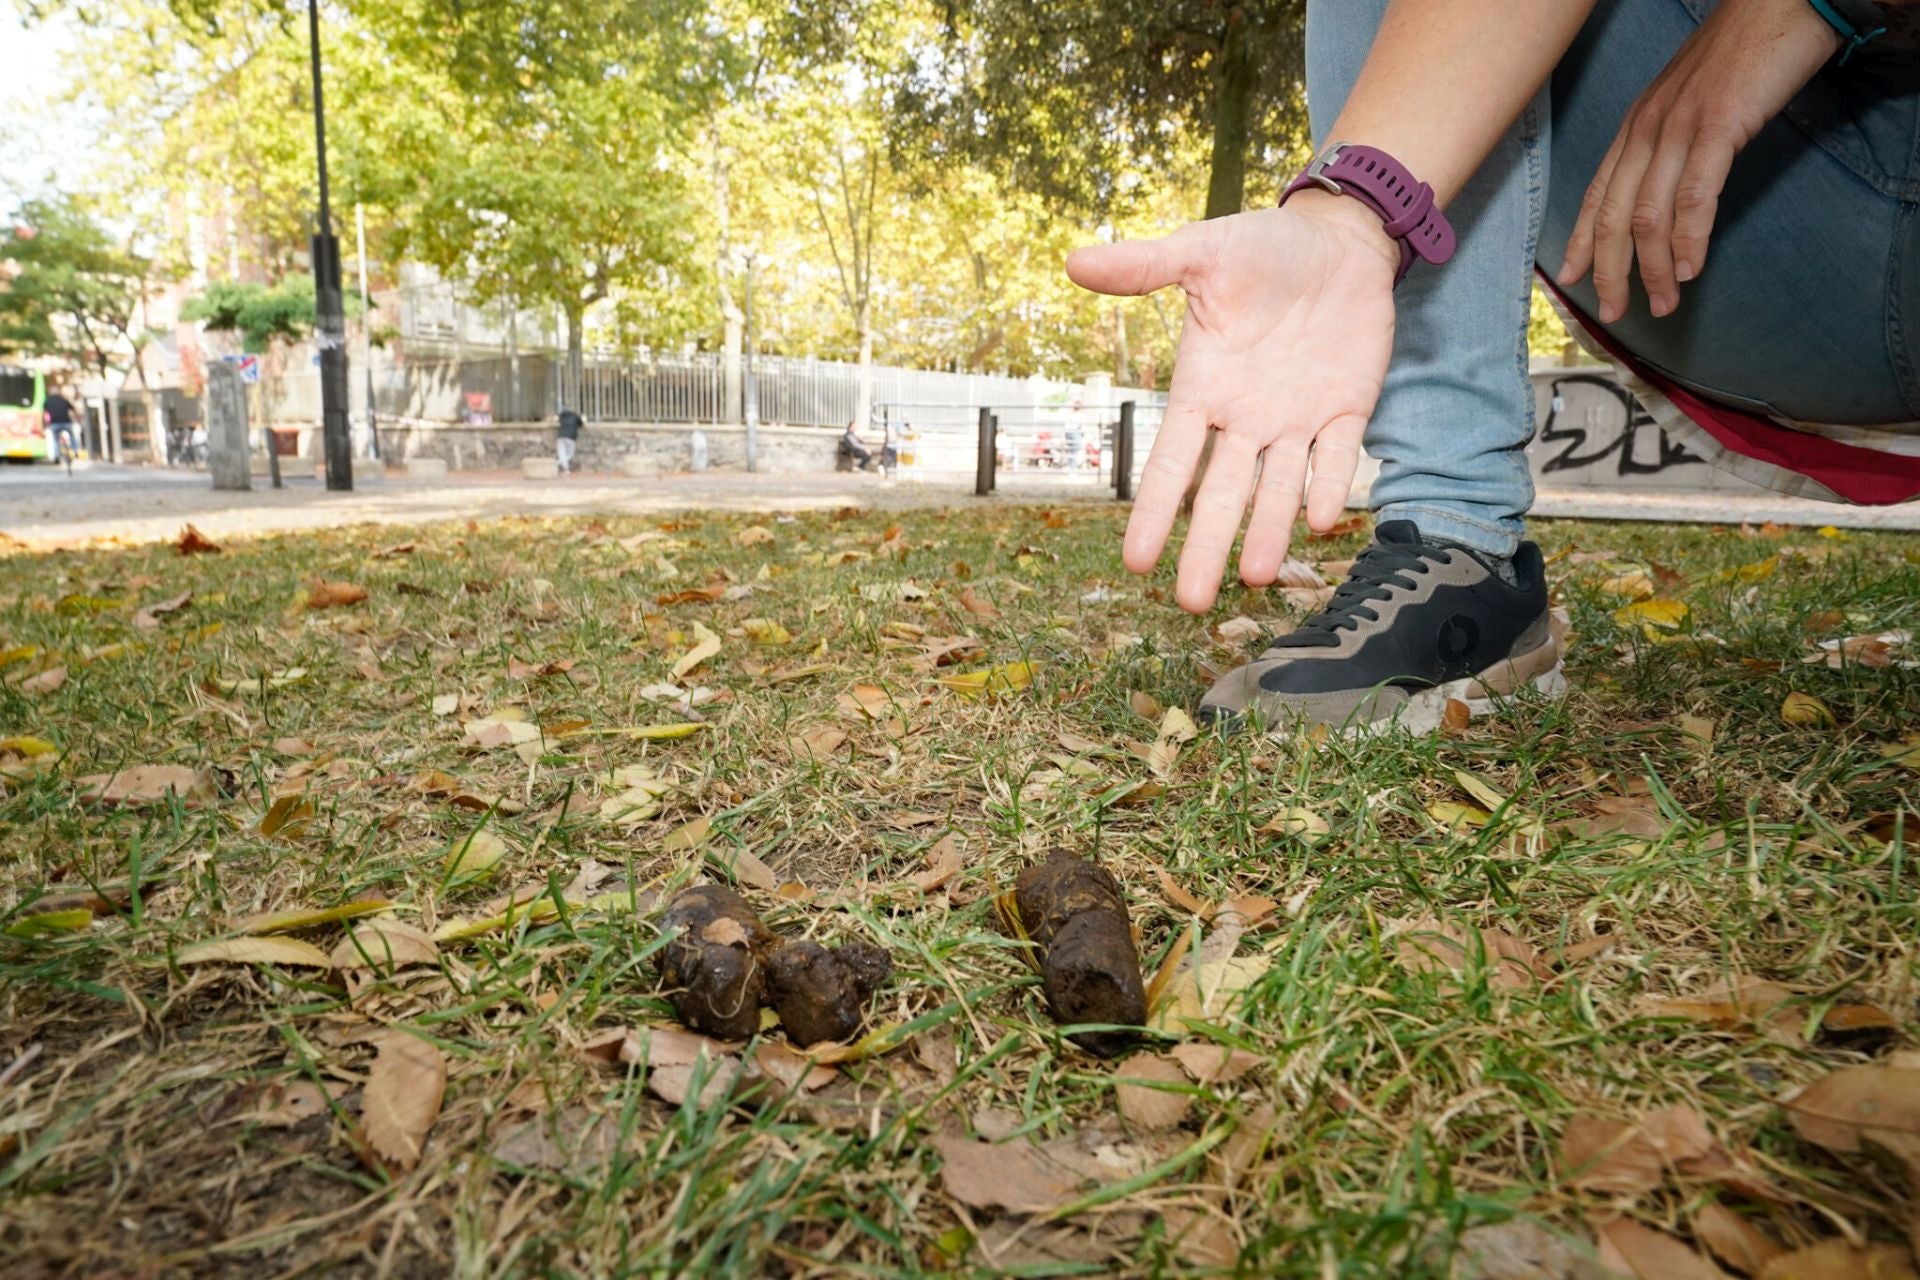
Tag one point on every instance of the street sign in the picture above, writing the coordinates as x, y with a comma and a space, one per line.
247, 366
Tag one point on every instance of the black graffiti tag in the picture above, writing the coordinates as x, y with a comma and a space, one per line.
1632, 418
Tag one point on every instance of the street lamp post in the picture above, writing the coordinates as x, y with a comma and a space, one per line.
329, 321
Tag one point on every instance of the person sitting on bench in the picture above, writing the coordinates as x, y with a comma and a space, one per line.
853, 451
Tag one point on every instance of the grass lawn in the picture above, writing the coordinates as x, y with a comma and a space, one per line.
1631, 977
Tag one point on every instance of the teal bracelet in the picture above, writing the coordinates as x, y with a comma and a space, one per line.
1859, 23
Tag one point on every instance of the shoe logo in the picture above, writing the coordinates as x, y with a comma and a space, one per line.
1459, 636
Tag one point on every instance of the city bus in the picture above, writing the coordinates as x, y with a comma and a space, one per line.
23, 418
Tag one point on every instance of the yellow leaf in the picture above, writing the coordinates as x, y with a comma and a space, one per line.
659, 732
384, 945
993, 681
46, 922
275, 950
1479, 788
1806, 711
18, 653
1209, 993
765, 631
1658, 613
1451, 814
477, 855
1904, 752
539, 910
1634, 584
1296, 820
706, 644
1835, 535
27, 748
690, 836
307, 918
288, 815
1700, 729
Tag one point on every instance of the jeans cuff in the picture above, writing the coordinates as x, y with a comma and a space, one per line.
1498, 538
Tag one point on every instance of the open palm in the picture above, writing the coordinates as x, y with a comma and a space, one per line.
1288, 329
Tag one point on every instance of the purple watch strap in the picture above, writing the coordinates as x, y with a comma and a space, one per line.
1380, 182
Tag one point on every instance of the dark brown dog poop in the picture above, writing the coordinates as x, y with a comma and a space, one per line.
1073, 911
821, 995
714, 968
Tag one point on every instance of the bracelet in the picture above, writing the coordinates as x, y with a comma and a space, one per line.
1856, 21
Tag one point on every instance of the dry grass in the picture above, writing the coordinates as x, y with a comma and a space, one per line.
162, 1118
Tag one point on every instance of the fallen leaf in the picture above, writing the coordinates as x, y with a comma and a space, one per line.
333, 595
749, 870
674, 1084
1144, 705
706, 645
294, 1102
1428, 945
1142, 1102
495, 731
297, 918
1654, 1255
1841, 1260
149, 618
475, 856
943, 864
1451, 814
1214, 1063
1733, 1238
1237, 633
1016, 1175
766, 632
1746, 1002
1180, 897
192, 542
287, 816
1804, 710
753, 535
147, 784
384, 945
793, 1070
1456, 716
688, 836
270, 950
43, 924
1479, 788
1872, 1105
1208, 991
869, 701
818, 743
1295, 820
974, 605
991, 682
45, 682
518, 670
402, 1098
1654, 613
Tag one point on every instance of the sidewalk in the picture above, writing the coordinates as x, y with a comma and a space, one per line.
43, 507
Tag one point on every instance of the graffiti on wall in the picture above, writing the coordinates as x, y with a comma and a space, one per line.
1602, 420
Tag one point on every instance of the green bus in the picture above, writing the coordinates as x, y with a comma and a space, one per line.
23, 417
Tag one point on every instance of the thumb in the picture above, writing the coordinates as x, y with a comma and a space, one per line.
1134, 267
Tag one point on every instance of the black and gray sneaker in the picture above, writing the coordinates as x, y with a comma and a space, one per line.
1415, 625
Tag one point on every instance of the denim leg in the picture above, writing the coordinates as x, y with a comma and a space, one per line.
1806, 305
1457, 411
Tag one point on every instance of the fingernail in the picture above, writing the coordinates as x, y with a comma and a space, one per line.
1659, 306
1566, 269
1684, 271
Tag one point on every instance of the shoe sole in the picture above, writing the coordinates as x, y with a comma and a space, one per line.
1541, 669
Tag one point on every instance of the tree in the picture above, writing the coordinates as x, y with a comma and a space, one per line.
259, 313
1076, 97
71, 290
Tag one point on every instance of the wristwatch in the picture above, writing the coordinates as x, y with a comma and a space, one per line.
1383, 184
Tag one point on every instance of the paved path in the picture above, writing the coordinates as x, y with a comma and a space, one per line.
42, 506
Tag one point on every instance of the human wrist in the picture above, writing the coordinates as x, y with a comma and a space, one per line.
1353, 221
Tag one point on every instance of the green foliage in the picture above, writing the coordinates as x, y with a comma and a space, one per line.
260, 313
68, 289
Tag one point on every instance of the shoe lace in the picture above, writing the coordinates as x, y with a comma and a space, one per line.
1376, 575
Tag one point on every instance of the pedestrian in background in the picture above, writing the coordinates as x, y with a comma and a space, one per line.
59, 412
567, 439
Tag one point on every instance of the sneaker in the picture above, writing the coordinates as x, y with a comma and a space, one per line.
1416, 624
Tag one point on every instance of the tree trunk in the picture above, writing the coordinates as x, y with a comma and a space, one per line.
863, 402
733, 323
1233, 86
1122, 356
573, 376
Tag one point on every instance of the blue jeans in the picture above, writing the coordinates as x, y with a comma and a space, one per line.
62, 435
1809, 305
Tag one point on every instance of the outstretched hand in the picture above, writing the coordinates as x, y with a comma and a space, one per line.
1288, 329
1658, 189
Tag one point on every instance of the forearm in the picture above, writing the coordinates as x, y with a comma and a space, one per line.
1446, 77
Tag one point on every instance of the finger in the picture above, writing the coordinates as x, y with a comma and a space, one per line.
1580, 244
1613, 232
1163, 481
1217, 511
1696, 200
1140, 266
1336, 455
1653, 224
1276, 501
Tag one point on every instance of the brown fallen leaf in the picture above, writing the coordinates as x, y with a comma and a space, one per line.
148, 784
753, 535
402, 1099
1145, 705
674, 1084
816, 744
1016, 1175
149, 618
293, 1102
1598, 1153
1874, 1105
267, 950
1841, 1260
943, 864
1140, 1094
1214, 1063
1806, 711
1652, 1255
1429, 945
1456, 716
792, 1069
45, 682
518, 670
333, 595
1733, 1238
749, 870
692, 595
383, 945
1180, 897
1747, 1002
193, 542
974, 605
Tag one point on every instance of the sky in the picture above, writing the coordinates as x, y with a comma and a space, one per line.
38, 135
